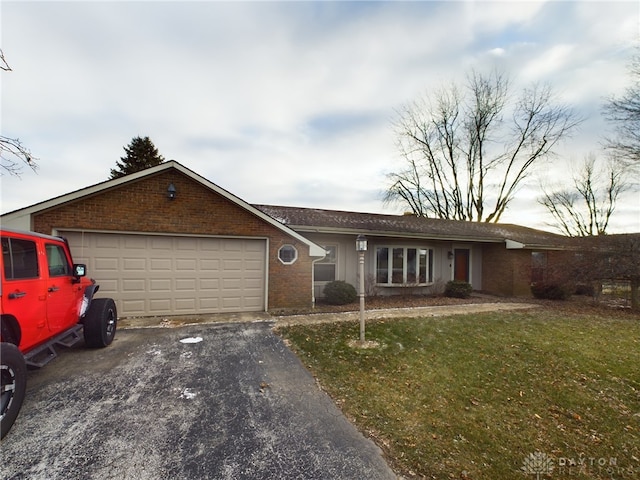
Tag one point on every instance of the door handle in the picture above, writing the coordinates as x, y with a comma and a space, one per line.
15, 295
53, 289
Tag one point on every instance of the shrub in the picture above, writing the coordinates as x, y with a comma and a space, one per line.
550, 291
585, 289
339, 293
457, 289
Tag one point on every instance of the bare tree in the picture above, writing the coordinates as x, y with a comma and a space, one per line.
3, 62
624, 113
13, 154
466, 151
586, 208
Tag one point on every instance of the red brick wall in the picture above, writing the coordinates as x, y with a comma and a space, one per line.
506, 272
143, 206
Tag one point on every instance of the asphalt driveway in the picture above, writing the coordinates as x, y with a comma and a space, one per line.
210, 401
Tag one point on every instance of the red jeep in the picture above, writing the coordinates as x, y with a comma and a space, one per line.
46, 300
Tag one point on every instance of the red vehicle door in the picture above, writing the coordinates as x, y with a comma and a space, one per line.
24, 294
63, 290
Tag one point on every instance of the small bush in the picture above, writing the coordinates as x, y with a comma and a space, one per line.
585, 289
339, 293
457, 289
550, 291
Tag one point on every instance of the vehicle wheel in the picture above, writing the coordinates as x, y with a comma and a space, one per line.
100, 323
13, 382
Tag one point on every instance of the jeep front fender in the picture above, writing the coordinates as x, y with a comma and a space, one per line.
89, 291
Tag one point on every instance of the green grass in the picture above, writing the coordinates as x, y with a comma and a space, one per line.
473, 396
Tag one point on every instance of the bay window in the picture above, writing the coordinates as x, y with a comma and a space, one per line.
404, 266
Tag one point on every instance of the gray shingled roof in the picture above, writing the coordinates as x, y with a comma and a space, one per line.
410, 226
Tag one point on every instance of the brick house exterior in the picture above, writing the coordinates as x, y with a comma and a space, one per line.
138, 203
498, 257
406, 253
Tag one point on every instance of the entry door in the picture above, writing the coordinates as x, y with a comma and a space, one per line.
461, 264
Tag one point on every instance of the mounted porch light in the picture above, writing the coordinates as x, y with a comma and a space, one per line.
361, 243
171, 192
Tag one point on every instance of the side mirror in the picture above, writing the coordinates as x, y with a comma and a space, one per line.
79, 270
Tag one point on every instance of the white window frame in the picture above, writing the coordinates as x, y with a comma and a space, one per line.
324, 261
390, 251
295, 254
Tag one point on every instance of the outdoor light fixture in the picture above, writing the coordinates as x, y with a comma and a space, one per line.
450, 255
171, 192
361, 247
361, 243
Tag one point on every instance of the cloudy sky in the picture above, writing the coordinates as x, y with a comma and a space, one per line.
287, 103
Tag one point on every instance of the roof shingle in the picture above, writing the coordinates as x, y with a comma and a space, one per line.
335, 221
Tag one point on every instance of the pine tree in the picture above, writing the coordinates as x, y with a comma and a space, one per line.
141, 154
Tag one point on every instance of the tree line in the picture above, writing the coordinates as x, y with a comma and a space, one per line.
466, 149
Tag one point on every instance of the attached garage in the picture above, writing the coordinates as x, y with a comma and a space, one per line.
174, 275
166, 241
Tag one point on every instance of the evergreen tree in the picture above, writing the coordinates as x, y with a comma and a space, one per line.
141, 154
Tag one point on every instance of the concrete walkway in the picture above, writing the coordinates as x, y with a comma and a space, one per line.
313, 318
435, 311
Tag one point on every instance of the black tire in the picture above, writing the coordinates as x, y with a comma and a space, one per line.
13, 382
100, 323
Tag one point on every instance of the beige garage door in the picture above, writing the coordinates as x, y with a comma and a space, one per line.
169, 275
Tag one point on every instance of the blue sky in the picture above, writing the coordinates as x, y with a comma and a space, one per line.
287, 103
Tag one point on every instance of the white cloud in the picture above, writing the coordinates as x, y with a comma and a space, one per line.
276, 102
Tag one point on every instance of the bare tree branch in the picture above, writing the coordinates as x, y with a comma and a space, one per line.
472, 159
14, 155
3, 62
587, 207
624, 114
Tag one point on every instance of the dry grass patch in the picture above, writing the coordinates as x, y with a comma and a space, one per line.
473, 396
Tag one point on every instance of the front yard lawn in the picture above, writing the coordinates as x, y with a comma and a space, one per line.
489, 396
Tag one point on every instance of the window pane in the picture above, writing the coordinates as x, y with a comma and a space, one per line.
398, 265
287, 254
423, 266
382, 265
20, 258
57, 260
538, 266
324, 272
430, 269
411, 265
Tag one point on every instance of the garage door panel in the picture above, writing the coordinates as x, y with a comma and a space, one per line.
134, 264
135, 242
164, 275
189, 264
210, 264
104, 264
187, 284
104, 241
160, 285
209, 284
134, 285
160, 264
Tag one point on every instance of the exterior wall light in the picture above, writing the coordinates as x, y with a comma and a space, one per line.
361, 243
171, 192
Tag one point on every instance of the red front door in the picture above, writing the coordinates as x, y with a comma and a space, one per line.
461, 264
